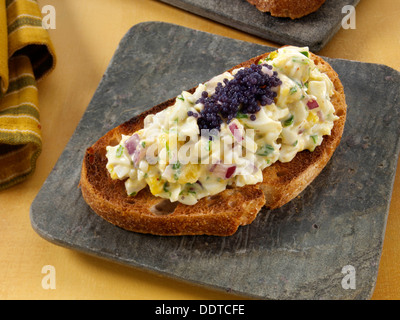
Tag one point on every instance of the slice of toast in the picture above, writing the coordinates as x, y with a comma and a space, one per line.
293, 9
219, 214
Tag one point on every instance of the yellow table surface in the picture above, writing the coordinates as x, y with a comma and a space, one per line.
87, 34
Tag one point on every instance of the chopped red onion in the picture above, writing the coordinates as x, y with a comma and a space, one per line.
236, 132
138, 155
312, 104
132, 143
222, 171
230, 171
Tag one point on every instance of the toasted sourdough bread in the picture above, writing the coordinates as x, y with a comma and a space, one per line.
220, 214
293, 9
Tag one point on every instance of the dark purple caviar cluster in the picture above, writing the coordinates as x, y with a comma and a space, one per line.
245, 94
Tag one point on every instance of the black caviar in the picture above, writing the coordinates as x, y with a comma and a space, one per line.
245, 94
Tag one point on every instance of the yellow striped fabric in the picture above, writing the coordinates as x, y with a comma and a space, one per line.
26, 55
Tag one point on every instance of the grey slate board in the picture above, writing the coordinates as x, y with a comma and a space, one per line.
314, 30
295, 252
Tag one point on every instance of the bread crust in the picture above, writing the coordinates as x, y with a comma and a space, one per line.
293, 9
221, 214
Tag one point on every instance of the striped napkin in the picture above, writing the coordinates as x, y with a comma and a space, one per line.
26, 55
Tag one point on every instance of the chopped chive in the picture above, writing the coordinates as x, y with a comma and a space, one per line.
190, 188
289, 121
209, 145
176, 165
240, 115
305, 53
165, 187
314, 138
293, 90
119, 152
180, 97
302, 61
295, 144
133, 194
265, 150
144, 144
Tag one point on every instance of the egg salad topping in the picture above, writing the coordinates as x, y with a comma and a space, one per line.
228, 130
